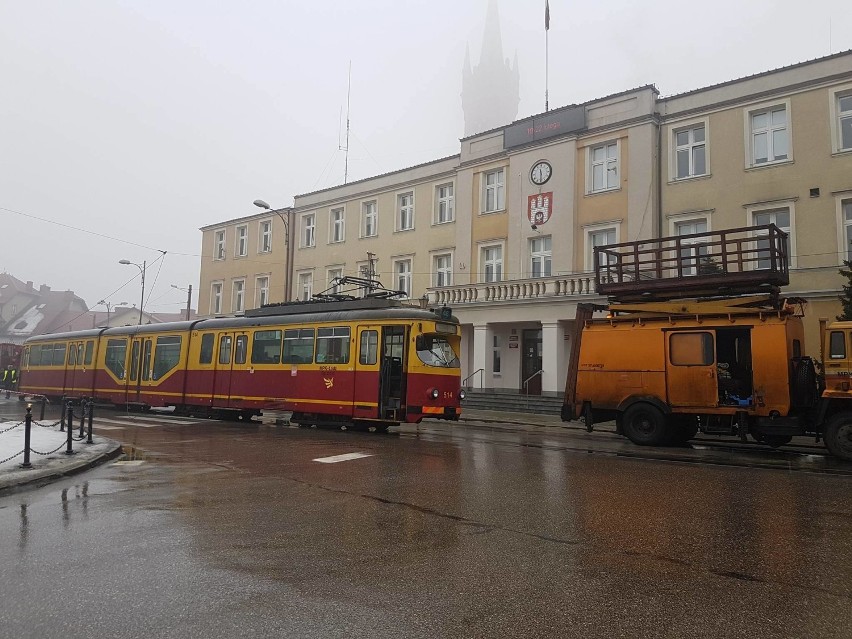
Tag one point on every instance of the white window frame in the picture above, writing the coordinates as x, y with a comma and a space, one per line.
264, 236
544, 255
219, 245
485, 262
445, 205
369, 218
261, 292
588, 231
768, 107
699, 250
690, 126
241, 241
764, 207
844, 246
307, 230
442, 274
330, 274
216, 289
402, 277
337, 225
498, 189
591, 163
405, 211
305, 280
238, 295
838, 116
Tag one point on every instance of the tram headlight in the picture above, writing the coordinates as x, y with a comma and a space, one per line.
462, 394
433, 393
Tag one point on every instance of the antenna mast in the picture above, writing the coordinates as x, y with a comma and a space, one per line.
346, 148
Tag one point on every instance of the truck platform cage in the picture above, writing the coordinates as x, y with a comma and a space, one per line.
731, 262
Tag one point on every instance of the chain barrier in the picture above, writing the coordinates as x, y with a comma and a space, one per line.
50, 452
6, 430
3, 461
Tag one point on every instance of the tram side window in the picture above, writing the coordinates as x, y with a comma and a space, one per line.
90, 351
225, 349
25, 360
72, 356
369, 347
837, 345
59, 354
206, 355
167, 355
266, 347
116, 353
333, 345
298, 346
691, 349
146, 361
241, 349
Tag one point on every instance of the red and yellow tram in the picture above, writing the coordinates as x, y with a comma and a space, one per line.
369, 362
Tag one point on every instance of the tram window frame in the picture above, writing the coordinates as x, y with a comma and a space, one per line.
241, 349
135, 349
90, 352
34, 355
332, 345
837, 339
368, 352
298, 346
225, 351
166, 356
72, 355
59, 351
146, 360
113, 346
208, 345
266, 347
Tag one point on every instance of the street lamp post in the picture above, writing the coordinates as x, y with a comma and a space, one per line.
142, 271
284, 214
188, 297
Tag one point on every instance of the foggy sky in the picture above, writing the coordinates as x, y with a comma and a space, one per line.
143, 121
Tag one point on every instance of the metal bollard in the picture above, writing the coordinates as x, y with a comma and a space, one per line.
69, 450
43, 404
84, 407
91, 417
62, 417
28, 423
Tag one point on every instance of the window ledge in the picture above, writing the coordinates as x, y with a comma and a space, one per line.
603, 191
443, 223
404, 230
503, 210
367, 237
769, 165
839, 152
691, 178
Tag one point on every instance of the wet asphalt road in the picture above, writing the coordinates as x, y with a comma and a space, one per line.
230, 530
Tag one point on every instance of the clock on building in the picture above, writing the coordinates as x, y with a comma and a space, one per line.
540, 172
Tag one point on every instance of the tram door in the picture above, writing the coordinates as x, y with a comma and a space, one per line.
141, 352
79, 374
224, 363
74, 362
392, 372
367, 365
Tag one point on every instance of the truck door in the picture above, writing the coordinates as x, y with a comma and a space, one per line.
691, 368
837, 363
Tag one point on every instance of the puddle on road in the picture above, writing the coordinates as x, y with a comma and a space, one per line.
133, 456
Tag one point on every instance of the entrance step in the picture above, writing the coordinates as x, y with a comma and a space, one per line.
512, 402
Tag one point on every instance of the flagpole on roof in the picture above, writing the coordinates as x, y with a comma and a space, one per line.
546, 53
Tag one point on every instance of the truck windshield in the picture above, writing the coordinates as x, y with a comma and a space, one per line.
435, 350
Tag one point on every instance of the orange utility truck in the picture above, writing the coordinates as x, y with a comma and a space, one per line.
697, 337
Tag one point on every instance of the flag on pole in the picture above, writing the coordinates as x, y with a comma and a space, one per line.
546, 15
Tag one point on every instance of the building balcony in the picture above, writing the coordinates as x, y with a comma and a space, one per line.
542, 289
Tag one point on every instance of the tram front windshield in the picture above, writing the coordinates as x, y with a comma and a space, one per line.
435, 350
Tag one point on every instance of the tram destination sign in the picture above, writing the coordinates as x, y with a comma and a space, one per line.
544, 126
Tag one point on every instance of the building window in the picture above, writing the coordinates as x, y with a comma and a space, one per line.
770, 140
603, 167
693, 251
495, 354
540, 256
306, 286
445, 209
493, 191
846, 212
844, 121
265, 236
492, 263
337, 225
308, 234
219, 241
405, 212
402, 275
333, 284
369, 219
216, 298
261, 288
780, 217
242, 241
238, 296
690, 153
601, 236
443, 269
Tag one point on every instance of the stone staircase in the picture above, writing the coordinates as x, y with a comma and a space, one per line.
513, 402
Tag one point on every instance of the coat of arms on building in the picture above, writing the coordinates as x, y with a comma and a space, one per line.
540, 208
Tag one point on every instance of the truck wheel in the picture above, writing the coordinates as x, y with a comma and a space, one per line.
838, 436
645, 425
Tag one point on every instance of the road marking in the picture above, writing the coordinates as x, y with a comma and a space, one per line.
340, 458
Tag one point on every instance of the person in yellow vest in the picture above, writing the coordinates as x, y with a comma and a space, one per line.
6, 380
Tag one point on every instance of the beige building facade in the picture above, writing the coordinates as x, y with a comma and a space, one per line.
504, 231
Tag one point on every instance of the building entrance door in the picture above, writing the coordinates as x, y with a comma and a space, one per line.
531, 361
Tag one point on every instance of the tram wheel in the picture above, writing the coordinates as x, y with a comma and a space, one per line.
838, 436
645, 425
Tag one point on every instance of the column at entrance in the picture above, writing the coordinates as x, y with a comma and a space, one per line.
553, 357
480, 355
